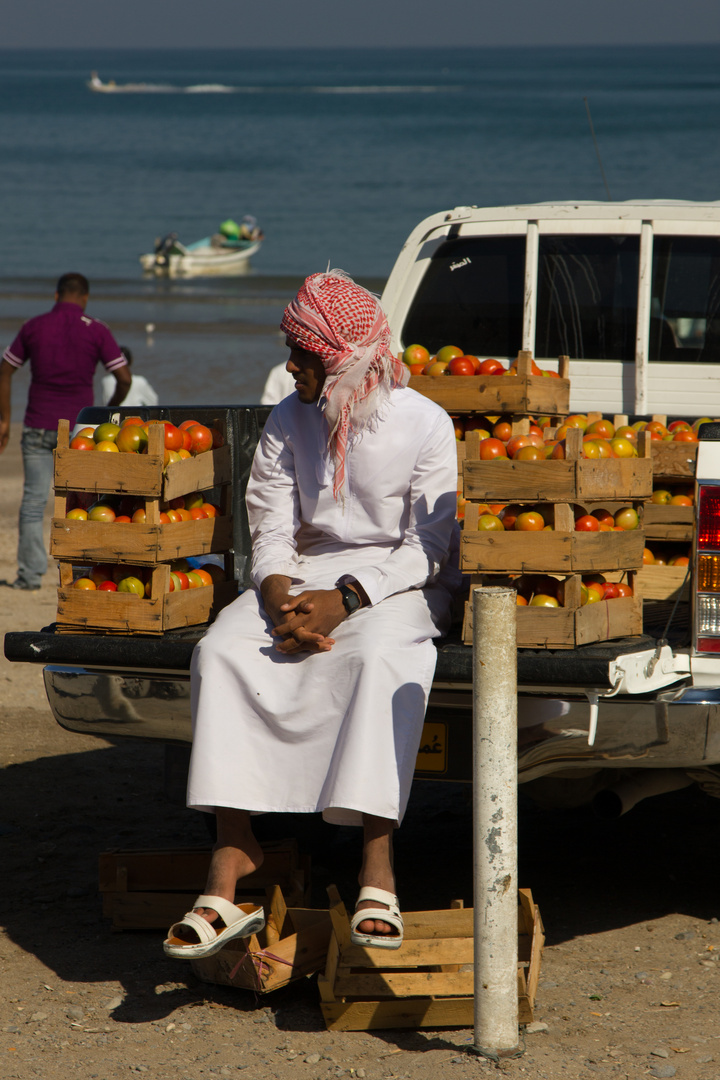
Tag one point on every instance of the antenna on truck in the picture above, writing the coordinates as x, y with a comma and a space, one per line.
597, 148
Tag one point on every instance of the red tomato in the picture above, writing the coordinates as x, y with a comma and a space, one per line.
461, 365
624, 590
107, 586
502, 431
80, 442
587, 523
491, 367
197, 513
201, 439
492, 448
173, 437
187, 424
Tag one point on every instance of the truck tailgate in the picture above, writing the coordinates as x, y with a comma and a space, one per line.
588, 665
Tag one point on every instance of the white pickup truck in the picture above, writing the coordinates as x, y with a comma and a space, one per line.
631, 292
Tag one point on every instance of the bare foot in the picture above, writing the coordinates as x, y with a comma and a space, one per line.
228, 866
236, 855
375, 926
377, 870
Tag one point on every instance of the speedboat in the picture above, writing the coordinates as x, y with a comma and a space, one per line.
111, 87
222, 254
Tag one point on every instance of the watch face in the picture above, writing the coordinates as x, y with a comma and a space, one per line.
351, 600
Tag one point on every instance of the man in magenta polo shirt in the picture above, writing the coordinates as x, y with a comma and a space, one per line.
63, 347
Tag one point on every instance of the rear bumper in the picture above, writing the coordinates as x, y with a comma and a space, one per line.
675, 729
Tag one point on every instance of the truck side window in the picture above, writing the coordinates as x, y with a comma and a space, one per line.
587, 297
685, 310
471, 296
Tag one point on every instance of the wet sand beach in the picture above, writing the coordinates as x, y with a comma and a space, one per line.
630, 977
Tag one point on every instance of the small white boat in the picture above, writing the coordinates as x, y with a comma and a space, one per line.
218, 254
111, 87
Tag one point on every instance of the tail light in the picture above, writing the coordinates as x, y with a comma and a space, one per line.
707, 571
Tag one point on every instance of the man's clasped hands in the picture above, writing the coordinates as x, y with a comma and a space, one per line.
303, 623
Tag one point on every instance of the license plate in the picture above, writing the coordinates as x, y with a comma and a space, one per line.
432, 755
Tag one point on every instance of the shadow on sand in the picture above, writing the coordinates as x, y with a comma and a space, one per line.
58, 813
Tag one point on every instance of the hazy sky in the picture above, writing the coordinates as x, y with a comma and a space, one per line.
209, 23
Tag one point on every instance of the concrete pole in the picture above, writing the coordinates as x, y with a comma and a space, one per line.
495, 818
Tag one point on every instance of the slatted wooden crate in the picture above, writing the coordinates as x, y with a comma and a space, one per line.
523, 393
673, 460
293, 945
561, 551
138, 544
138, 474
151, 889
572, 480
125, 613
428, 981
571, 625
663, 583
666, 522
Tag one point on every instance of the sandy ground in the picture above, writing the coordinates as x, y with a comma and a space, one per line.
630, 975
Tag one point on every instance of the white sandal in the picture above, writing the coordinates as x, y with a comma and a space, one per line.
390, 915
240, 920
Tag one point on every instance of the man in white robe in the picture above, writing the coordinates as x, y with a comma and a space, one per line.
309, 691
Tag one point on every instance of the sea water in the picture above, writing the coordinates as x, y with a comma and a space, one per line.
338, 153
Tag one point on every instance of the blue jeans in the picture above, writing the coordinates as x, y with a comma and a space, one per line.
37, 447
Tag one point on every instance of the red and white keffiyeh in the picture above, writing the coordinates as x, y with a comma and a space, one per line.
345, 326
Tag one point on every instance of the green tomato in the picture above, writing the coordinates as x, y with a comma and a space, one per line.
132, 585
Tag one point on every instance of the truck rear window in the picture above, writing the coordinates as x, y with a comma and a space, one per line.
685, 311
587, 297
471, 296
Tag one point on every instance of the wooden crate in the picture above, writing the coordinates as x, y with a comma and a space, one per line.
669, 522
674, 460
428, 981
572, 480
138, 474
293, 945
663, 583
140, 545
522, 393
572, 625
562, 551
151, 889
124, 613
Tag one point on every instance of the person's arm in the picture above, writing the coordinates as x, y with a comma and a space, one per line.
273, 506
123, 379
433, 506
6, 373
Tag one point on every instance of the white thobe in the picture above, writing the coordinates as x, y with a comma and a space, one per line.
336, 732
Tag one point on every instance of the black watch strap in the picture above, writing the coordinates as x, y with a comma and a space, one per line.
351, 600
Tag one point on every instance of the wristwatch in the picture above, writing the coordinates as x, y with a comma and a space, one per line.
351, 600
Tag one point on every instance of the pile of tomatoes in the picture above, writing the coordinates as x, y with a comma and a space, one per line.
131, 437
137, 580
119, 509
451, 360
601, 439
497, 517
543, 590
